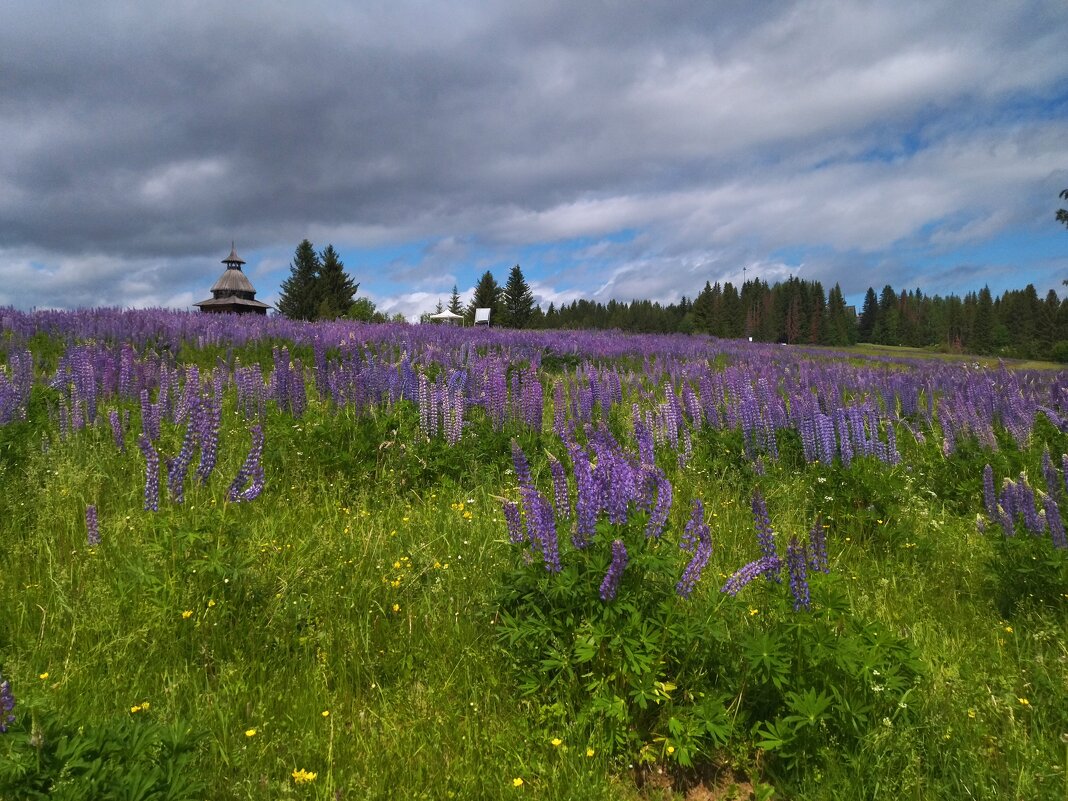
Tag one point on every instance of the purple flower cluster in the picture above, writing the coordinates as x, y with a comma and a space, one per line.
610, 585
514, 521
251, 472
744, 575
7, 705
92, 526
561, 498
696, 539
15, 385
1017, 503
541, 528
817, 541
659, 514
765, 533
116, 429
151, 474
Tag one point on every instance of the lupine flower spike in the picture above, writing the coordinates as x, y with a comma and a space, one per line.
610, 585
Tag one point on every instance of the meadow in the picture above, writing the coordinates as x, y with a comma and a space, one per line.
251, 558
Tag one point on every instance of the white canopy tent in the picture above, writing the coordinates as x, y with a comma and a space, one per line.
446, 316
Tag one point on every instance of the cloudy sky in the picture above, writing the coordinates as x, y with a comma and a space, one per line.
612, 148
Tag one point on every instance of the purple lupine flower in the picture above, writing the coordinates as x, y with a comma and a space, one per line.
828, 446
251, 472
561, 498
179, 465
1025, 505
151, 474
644, 437
817, 539
696, 539
610, 585
990, 500
696, 530
1053, 520
587, 499
92, 526
764, 566
797, 563
515, 524
1049, 472
541, 528
522, 466
7, 705
687, 448
659, 515
208, 421
116, 429
765, 533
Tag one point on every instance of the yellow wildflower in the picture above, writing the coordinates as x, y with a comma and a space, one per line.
671, 749
1024, 701
43, 676
188, 613
590, 752
211, 603
754, 611
556, 741
325, 713
517, 782
250, 732
1008, 629
396, 607
303, 776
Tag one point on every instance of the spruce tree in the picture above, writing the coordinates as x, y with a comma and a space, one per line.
869, 315
455, 306
487, 296
517, 299
299, 299
336, 290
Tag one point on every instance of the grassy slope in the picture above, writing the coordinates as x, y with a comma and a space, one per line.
357, 585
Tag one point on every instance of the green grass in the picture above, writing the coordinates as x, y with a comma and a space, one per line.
346, 622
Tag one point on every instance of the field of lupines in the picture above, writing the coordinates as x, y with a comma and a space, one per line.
251, 558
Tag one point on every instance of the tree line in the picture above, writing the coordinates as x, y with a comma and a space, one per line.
1017, 323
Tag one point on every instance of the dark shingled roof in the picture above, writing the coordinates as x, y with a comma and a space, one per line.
232, 301
233, 258
233, 280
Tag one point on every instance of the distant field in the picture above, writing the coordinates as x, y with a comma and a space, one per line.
248, 559
899, 351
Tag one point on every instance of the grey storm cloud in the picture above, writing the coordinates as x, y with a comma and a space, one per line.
135, 138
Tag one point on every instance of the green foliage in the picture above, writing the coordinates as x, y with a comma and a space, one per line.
133, 759
618, 666
1027, 571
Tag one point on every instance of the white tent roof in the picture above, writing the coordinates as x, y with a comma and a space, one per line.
446, 315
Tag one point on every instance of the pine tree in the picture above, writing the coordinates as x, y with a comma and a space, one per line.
869, 315
336, 290
517, 299
299, 299
984, 322
455, 306
487, 296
